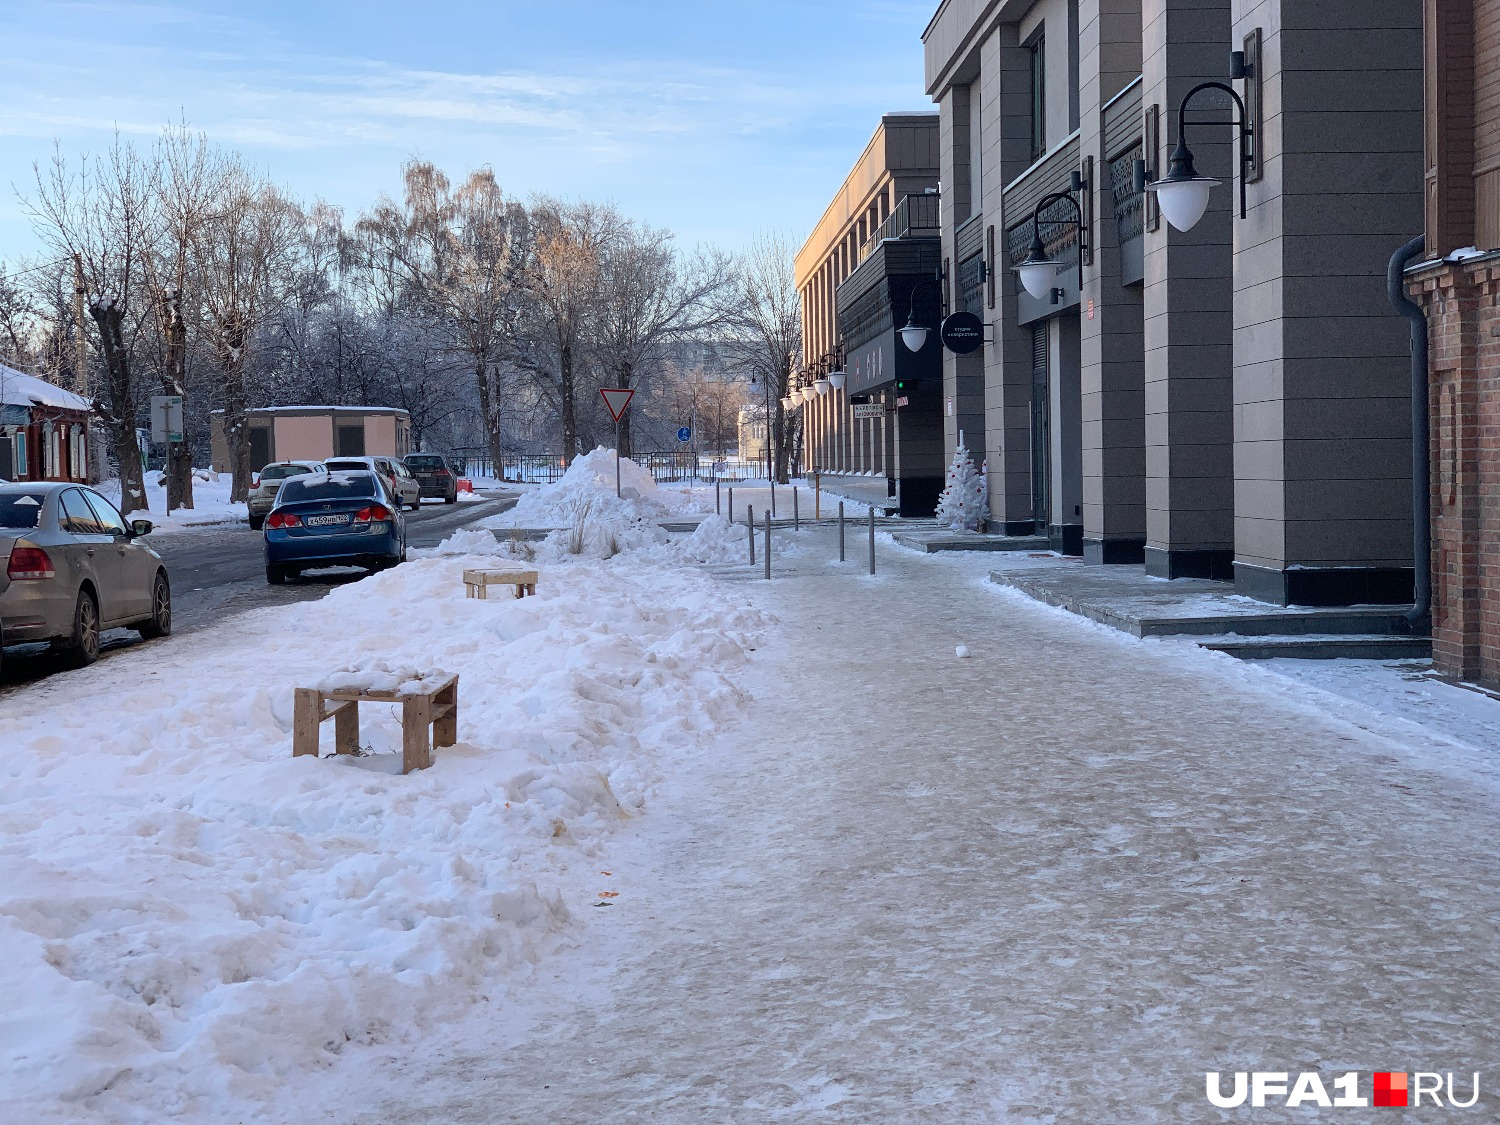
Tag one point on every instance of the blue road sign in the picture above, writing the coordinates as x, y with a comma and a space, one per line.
684, 434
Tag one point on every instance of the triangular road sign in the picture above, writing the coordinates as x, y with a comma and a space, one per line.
617, 399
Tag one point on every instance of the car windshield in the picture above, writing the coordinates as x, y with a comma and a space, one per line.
281, 472
343, 486
424, 462
20, 510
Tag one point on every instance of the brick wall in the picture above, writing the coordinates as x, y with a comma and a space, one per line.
1462, 301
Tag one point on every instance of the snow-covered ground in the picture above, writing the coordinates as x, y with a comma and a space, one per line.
909, 847
211, 503
190, 917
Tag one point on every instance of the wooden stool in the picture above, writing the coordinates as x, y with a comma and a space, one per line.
436, 708
478, 582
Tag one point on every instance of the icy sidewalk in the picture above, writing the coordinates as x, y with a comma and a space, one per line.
1059, 879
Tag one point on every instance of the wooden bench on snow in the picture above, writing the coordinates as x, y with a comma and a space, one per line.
429, 704
478, 582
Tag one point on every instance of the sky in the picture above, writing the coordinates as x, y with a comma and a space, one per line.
717, 119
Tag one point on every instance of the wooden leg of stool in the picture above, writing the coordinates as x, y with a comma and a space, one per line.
346, 728
445, 729
306, 705
416, 724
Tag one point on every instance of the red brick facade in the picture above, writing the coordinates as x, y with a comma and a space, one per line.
1462, 301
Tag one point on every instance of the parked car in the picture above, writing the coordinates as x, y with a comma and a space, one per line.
435, 476
402, 484
266, 482
333, 519
70, 568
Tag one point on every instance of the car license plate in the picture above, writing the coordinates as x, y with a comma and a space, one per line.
327, 521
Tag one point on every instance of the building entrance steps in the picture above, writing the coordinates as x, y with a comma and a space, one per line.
945, 539
1128, 599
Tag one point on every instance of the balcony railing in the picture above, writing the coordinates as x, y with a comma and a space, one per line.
916, 216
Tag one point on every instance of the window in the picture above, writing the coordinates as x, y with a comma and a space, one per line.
22, 465
355, 485
75, 450
1037, 48
351, 440
110, 520
76, 515
20, 510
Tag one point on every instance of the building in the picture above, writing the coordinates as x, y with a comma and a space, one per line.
869, 263
44, 430
313, 433
1230, 401
752, 435
1456, 280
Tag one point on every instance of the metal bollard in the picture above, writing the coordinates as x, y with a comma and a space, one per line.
796, 517
872, 540
750, 523
717, 509
773, 496
841, 531
768, 545
731, 503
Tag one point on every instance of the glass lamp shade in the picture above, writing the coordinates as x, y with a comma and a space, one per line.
821, 386
786, 402
807, 394
1037, 276
1183, 201
836, 380
913, 336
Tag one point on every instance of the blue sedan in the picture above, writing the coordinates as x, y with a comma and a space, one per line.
333, 519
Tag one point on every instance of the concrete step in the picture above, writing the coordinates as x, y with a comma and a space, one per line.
1322, 647
932, 542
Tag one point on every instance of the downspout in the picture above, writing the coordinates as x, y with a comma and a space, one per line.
1421, 438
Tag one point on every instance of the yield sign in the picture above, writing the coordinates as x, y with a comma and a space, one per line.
617, 399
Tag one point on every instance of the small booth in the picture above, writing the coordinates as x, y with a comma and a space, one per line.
43, 430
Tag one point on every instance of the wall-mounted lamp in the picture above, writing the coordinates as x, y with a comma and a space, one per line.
1037, 272
1182, 193
913, 333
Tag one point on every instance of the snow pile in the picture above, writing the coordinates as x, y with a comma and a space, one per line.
190, 915
211, 502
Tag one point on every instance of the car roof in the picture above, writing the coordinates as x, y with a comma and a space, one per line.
48, 486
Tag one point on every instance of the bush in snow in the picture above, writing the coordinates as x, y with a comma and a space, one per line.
964, 502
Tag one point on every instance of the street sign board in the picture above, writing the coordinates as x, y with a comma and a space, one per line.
869, 410
684, 433
166, 418
616, 399
962, 333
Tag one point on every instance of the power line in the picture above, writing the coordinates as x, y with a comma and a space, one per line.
35, 269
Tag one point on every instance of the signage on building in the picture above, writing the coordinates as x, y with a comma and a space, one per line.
869, 410
962, 333
866, 365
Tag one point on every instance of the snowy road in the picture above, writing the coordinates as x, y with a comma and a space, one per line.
1060, 879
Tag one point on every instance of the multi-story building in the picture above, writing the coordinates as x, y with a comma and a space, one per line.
1230, 401
1456, 277
867, 266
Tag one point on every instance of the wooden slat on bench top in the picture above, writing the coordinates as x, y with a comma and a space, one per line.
374, 696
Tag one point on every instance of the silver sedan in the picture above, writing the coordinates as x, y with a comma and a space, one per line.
70, 567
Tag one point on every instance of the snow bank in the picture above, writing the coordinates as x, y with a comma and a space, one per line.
211, 502
190, 916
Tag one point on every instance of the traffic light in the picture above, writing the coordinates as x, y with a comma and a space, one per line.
905, 386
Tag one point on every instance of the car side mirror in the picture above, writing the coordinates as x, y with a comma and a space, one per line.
140, 527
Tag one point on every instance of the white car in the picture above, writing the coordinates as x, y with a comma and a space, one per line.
403, 485
265, 484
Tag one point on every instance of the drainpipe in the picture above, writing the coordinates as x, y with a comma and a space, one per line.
1421, 463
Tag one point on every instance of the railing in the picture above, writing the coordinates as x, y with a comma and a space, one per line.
915, 216
668, 467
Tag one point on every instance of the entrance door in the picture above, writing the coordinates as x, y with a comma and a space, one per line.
1041, 431
260, 448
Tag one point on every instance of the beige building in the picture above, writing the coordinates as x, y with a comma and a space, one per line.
314, 433
878, 438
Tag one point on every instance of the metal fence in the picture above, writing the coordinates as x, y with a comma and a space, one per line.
667, 467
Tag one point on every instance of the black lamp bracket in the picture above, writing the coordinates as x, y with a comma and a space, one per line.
1037, 222
1246, 132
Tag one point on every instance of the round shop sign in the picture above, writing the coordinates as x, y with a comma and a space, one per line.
962, 333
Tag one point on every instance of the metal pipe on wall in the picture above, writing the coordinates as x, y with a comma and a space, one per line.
1421, 432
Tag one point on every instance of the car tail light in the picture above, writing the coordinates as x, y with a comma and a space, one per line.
375, 513
28, 563
440, 473
283, 519
254, 480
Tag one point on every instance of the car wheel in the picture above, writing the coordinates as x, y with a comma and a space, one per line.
160, 624
257, 522
83, 645
275, 574
451, 498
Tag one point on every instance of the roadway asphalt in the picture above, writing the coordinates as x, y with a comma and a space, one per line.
220, 571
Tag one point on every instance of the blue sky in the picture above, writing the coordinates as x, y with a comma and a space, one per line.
715, 118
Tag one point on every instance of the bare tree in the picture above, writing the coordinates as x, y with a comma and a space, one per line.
246, 260
561, 279
647, 298
767, 332
102, 214
457, 252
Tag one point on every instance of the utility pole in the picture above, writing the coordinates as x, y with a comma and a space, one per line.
80, 338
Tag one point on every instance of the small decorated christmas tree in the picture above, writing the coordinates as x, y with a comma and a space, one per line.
964, 501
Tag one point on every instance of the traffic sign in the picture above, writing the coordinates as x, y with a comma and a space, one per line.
616, 399
684, 433
166, 418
